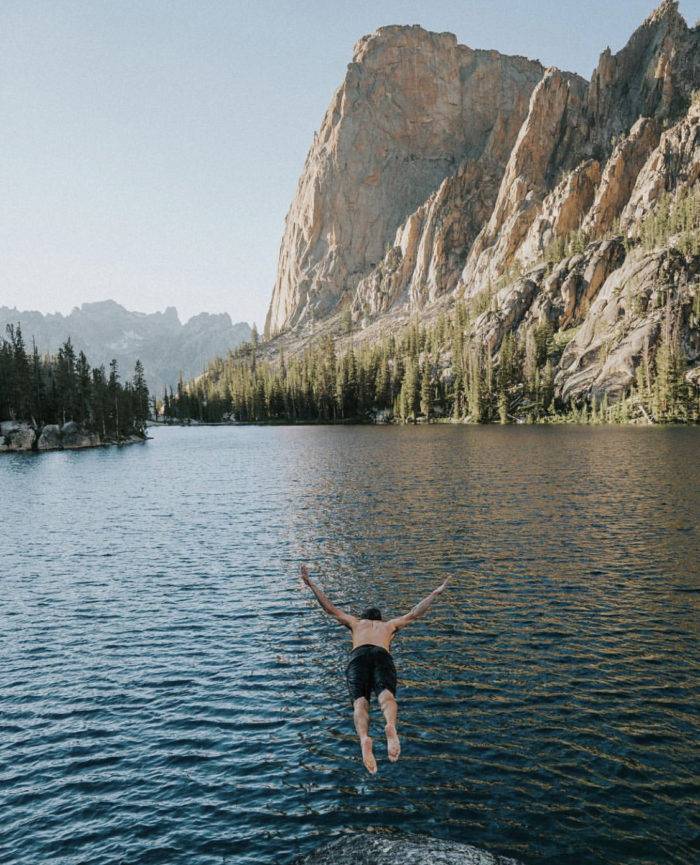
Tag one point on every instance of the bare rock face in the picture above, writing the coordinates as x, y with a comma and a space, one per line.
412, 107
404, 850
625, 317
571, 127
511, 307
674, 164
620, 175
561, 211
549, 139
430, 248
562, 296
654, 75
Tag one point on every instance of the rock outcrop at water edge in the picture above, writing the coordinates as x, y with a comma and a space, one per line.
403, 850
19, 436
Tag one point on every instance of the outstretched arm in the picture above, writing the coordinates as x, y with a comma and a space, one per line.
344, 618
419, 609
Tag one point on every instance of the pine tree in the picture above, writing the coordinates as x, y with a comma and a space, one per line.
67, 382
478, 396
140, 396
84, 387
507, 375
113, 390
426, 390
21, 373
38, 394
409, 398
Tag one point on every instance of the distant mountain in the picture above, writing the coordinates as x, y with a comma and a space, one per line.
106, 330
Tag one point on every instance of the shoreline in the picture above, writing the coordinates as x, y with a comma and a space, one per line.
552, 421
23, 437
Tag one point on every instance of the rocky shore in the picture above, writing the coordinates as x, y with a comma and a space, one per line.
359, 849
20, 436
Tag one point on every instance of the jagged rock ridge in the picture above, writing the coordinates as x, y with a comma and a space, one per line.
106, 330
441, 172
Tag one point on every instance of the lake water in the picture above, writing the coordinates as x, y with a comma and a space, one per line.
169, 694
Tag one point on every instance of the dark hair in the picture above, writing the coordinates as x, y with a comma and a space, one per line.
372, 613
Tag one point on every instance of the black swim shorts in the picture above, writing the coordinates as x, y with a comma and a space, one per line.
371, 668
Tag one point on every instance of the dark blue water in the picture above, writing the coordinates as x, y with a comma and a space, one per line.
169, 694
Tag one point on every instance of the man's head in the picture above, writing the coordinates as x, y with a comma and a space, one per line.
372, 613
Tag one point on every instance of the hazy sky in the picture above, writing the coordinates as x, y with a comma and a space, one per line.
150, 148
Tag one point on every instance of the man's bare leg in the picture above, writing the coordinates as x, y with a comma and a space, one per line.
360, 715
390, 708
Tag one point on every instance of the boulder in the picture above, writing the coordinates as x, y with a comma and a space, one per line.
8, 426
73, 437
17, 436
50, 438
361, 849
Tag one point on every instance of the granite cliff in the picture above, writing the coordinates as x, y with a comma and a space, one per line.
443, 174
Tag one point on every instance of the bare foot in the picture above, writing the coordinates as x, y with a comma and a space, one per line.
392, 743
368, 756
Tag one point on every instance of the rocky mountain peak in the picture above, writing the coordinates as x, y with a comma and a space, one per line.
651, 76
443, 173
412, 107
666, 10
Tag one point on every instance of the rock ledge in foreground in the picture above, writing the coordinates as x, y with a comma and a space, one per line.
364, 849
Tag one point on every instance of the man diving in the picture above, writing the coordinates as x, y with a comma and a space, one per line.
371, 667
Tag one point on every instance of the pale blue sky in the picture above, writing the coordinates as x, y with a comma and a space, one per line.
150, 148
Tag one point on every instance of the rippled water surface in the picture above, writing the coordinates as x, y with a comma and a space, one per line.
169, 694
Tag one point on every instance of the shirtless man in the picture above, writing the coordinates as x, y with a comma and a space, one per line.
371, 667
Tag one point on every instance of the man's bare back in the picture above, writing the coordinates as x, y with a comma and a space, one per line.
366, 632
371, 667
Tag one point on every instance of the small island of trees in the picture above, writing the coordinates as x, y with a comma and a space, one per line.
39, 390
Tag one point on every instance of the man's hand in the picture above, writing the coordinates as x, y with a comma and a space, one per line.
419, 609
344, 618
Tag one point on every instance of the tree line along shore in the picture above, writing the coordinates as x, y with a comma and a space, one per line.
432, 373
443, 370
